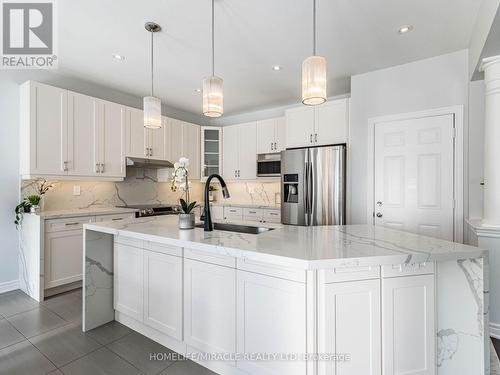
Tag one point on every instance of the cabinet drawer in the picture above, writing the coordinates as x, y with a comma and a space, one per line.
351, 273
253, 213
397, 270
207, 257
271, 270
272, 216
122, 240
58, 225
233, 213
115, 217
163, 248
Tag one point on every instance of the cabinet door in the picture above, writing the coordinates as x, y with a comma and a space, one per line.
280, 137
156, 141
136, 134
63, 257
350, 323
211, 151
128, 280
332, 122
230, 146
48, 130
191, 148
167, 138
83, 125
113, 140
299, 127
271, 318
408, 337
247, 157
175, 140
266, 134
163, 293
209, 307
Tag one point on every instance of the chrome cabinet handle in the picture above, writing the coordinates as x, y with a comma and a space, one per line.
379, 204
379, 214
65, 166
275, 146
69, 224
117, 218
151, 151
271, 146
311, 138
102, 167
97, 170
316, 137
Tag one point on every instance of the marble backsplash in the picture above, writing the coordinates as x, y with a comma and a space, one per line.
144, 189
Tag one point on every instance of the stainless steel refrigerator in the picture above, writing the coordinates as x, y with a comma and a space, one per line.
313, 186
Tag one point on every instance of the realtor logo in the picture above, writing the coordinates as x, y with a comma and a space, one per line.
28, 34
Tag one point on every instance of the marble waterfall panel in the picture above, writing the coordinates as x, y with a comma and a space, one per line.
462, 317
97, 280
31, 257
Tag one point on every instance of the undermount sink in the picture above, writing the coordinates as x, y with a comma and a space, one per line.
238, 228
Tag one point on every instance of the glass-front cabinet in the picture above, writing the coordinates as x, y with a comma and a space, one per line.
211, 151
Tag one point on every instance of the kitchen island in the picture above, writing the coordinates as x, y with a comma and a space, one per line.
353, 299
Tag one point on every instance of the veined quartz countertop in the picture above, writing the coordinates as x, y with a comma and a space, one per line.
84, 212
273, 207
301, 247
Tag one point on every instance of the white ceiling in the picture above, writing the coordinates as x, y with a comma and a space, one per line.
355, 36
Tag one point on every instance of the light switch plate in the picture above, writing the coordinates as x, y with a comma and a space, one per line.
76, 190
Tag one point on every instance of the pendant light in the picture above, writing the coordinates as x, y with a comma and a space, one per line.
213, 95
314, 73
152, 104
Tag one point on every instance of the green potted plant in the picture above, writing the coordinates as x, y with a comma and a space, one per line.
180, 181
211, 190
34, 201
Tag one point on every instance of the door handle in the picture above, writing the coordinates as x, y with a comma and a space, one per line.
102, 167
97, 170
275, 146
65, 166
310, 138
271, 146
316, 137
379, 214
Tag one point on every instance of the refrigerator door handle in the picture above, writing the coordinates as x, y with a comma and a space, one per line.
306, 192
310, 193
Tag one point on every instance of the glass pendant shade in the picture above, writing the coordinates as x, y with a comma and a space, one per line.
213, 97
314, 80
152, 112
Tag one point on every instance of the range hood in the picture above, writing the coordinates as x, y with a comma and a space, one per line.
148, 163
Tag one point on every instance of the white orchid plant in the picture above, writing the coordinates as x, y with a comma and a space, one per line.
180, 181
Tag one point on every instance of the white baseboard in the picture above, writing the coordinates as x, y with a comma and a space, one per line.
8, 286
495, 330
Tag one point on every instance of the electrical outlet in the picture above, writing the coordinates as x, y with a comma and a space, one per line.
76, 190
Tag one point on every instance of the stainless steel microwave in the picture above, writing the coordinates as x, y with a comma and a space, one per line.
269, 165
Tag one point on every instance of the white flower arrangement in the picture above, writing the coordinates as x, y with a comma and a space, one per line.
180, 175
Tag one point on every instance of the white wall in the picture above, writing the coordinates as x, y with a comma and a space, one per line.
440, 81
9, 149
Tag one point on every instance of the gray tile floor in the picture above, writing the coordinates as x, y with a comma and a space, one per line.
46, 338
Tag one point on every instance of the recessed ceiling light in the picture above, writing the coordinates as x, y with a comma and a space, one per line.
119, 57
197, 90
405, 29
277, 67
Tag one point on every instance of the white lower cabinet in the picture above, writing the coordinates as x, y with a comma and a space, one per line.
209, 307
128, 280
163, 293
271, 318
408, 321
349, 323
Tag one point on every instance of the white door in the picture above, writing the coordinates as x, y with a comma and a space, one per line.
266, 136
136, 134
267, 308
163, 293
408, 338
331, 122
300, 127
247, 161
414, 175
157, 143
128, 280
191, 148
112, 141
49, 127
230, 152
82, 130
350, 323
175, 141
63, 257
280, 135
209, 307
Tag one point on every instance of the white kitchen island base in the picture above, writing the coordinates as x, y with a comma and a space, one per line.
382, 301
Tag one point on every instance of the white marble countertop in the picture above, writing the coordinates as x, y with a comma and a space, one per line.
271, 207
301, 247
84, 212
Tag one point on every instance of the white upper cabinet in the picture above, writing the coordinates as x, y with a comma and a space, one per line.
270, 135
111, 140
44, 130
240, 151
324, 124
211, 151
174, 142
191, 148
136, 135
